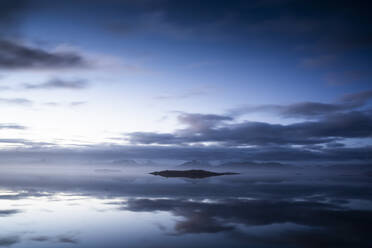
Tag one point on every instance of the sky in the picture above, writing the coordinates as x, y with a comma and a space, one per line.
263, 80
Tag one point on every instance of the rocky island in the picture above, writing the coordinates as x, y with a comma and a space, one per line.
194, 174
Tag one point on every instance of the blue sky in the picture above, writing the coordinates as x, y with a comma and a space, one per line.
184, 74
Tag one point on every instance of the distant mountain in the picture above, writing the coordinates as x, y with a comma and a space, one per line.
134, 163
253, 165
126, 162
149, 163
106, 171
195, 164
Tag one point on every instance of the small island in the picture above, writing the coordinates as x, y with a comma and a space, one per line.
194, 174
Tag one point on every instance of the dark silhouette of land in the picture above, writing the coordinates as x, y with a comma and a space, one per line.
190, 173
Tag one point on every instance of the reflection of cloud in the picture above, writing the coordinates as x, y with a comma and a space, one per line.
8, 212
320, 211
71, 239
228, 214
41, 238
8, 241
77, 103
65, 238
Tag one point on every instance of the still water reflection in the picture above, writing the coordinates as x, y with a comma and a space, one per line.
254, 209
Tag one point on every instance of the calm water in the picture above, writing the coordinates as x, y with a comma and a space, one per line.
114, 208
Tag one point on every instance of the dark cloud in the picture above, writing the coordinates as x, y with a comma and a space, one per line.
200, 122
303, 109
310, 109
196, 123
341, 24
57, 83
348, 77
358, 99
323, 35
325, 139
15, 55
21, 195
11, 13
204, 128
154, 138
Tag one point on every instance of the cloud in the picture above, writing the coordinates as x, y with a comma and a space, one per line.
181, 96
57, 83
324, 24
25, 142
70, 104
210, 128
328, 137
12, 126
154, 138
320, 61
16, 101
21, 195
11, 13
199, 122
309, 109
348, 77
302, 109
358, 99
14, 55
195, 123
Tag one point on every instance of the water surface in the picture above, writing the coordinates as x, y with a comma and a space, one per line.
116, 208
